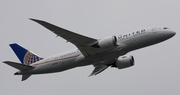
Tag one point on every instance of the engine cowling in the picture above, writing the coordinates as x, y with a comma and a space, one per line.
124, 62
106, 42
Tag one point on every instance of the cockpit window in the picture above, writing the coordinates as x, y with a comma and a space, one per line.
166, 28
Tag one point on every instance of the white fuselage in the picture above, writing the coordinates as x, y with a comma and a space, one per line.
125, 44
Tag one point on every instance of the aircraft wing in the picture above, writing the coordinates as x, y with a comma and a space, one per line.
81, 42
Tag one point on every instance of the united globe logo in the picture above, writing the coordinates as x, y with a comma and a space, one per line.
30, 58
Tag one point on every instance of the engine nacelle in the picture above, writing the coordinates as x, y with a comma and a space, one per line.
124, 62
106, 42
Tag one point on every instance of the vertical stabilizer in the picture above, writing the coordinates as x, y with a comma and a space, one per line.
26, 57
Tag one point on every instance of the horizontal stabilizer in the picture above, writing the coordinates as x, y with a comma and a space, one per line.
98, 69
18, 66
24, 77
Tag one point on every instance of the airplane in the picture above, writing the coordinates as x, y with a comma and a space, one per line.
101, 53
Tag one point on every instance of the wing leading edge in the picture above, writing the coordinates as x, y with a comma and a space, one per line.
80, 41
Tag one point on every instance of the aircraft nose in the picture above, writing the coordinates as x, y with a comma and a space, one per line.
173, 33
169, 34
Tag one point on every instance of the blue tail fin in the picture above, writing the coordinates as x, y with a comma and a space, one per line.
26, 57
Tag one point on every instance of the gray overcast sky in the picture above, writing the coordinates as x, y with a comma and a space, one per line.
156, 71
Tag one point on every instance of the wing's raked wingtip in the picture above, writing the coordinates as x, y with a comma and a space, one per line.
33, 19
38, 21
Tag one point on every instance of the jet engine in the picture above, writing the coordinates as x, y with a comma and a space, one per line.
106, 42
124, 62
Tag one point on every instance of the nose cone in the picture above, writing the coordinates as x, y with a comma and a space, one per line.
170, 33
167, 32
173, 33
